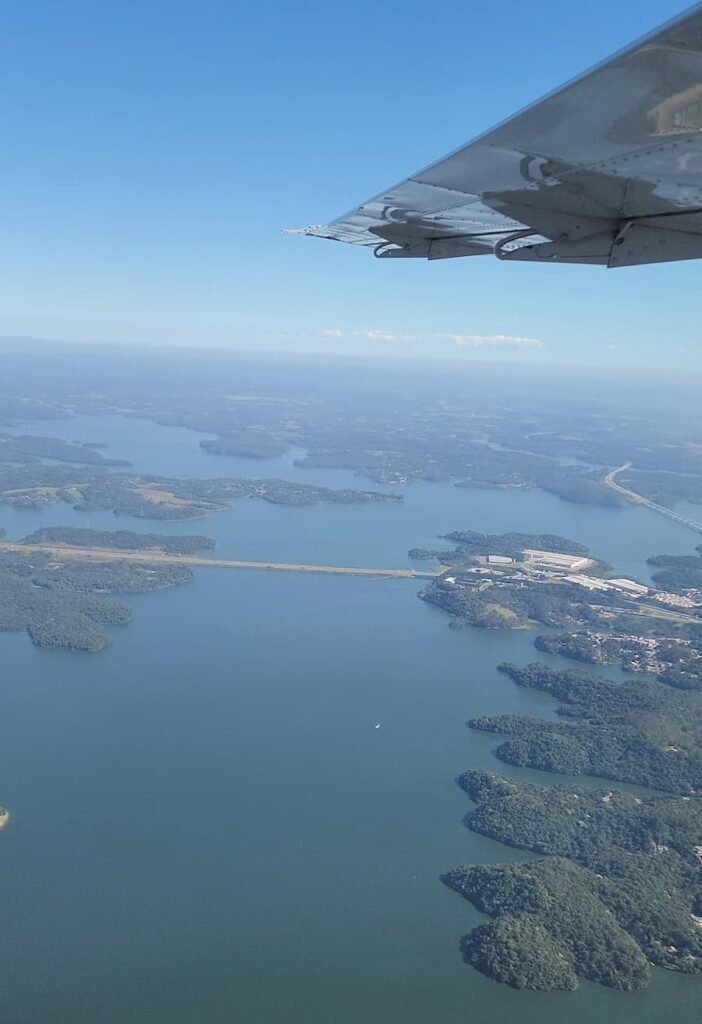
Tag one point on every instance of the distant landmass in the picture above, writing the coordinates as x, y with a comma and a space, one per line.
88, 488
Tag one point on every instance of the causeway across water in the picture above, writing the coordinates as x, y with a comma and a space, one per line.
151, 556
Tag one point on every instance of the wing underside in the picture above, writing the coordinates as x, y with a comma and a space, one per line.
606, 170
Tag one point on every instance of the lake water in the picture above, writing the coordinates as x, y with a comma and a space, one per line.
208, 828
370, 535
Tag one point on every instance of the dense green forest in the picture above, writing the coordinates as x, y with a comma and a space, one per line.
471, 543
26, 448
659, 711
631, 863
516, 950
678, 573
632, 732
511, 544
64, 604
667, 486
551, 928
126, 540
569, 749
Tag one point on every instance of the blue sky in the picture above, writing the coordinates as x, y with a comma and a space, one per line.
153, 151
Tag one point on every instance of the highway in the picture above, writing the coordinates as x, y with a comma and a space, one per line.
638, 499
153, 557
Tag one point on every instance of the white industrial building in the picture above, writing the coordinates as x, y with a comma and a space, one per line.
556, 560
589, 582
629, 585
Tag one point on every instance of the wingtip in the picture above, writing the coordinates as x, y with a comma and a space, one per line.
311, 230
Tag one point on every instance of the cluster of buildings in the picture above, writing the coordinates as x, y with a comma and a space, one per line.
674, 600
569, 568
630, 588
627, 587
553, 560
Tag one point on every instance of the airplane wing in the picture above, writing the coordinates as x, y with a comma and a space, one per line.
606, 170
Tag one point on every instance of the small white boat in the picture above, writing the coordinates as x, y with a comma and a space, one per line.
377, 726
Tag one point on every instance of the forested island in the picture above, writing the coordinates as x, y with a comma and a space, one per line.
28, 449
154, 497
63, 603
251, 446
124, 540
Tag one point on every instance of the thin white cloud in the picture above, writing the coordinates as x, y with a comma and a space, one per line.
491, 341
460, 340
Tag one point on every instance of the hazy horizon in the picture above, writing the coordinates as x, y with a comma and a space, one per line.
372, 356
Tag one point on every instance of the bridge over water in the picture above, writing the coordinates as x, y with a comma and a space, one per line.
638, 499
154, 557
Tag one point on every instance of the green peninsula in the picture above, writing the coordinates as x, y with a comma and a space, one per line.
65, 603
634, 732
88, 488
619, 888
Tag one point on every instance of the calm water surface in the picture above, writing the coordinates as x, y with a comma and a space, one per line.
372, 535
208, 828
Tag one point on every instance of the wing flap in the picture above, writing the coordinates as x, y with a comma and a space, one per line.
621, 143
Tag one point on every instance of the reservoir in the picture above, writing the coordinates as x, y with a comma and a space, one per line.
206, 824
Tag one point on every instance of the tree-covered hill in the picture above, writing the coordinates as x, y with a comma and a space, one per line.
621, 884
